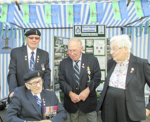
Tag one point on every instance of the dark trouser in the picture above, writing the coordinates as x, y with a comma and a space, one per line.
114, 107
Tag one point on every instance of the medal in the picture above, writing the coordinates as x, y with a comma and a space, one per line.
25, 57
43, 68
89, 72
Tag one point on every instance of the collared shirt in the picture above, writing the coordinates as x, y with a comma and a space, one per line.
38, 95
118, 77
79, 63
29, 55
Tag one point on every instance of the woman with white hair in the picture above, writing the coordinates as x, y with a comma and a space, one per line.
122, 98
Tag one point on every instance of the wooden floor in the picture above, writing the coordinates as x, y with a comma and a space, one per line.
81, 118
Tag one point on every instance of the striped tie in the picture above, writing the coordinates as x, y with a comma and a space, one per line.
76, 72
32, 63
38, 101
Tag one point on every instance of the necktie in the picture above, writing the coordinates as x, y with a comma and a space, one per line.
38, 101
76, 72
32, 63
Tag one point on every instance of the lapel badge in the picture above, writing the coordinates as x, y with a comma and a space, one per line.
43, 68
132, 69
25, 57
83, 65
38, 74
38, 59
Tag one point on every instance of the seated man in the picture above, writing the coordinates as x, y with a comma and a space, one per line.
32, 103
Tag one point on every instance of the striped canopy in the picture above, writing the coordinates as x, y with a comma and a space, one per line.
108, 18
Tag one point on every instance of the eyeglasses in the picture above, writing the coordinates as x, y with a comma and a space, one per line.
35, 83
115, 49
36, 38
73, 51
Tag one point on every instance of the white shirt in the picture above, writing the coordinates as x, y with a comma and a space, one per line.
29, 54
38, 95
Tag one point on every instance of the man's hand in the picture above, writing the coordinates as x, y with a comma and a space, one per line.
147, 112
11, 94
45, 121
84, 94
49, 89
74, 97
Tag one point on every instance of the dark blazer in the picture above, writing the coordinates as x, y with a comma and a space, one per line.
68, 83
24, 107
135, 83
18, 67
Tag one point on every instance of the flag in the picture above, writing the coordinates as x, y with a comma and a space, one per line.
25, 13
146, 29
93, 16
124, 30
10, 14
145, 7
51, 14
138, 8
128, 31
73, 13
4, 13
116, 10
123, 9
23, 37
137, 31
131, 30
99, 11
2, 29
141, 29
32, 14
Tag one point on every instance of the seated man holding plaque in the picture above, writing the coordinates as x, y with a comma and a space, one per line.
32, 103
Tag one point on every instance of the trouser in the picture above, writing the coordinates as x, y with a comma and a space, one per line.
74, 117
114, 107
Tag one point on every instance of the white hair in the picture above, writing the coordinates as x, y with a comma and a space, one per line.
122, 41
76, 40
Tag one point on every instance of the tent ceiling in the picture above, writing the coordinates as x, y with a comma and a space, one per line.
108, 18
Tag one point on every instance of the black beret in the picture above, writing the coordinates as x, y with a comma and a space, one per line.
33, 74
33, 32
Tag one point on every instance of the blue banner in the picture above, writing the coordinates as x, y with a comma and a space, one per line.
11, 13
99, 11
54, 13
32, 14
77, 13
145, 7
123, 9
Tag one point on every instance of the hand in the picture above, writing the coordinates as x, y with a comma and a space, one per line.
147, 112
74, 97
84, 94
11, 94
45, 121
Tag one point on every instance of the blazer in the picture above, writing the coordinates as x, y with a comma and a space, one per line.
68, 83
24, 107
19, 66
135, 83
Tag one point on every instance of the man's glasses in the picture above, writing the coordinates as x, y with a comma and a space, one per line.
35, 83
36, 38
115, 49
73, 51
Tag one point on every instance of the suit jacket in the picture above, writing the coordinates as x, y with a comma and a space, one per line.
24, 107
68, 83
18, 67
135, 83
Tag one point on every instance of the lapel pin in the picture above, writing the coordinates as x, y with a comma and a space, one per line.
83, 65
43, 68
132, 69
25, 57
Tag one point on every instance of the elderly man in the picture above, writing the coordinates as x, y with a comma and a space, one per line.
28, 58
31, 103
79, 75
122, 98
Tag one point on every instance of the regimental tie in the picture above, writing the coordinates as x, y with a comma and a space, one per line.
38, 101
32, 63
77, 73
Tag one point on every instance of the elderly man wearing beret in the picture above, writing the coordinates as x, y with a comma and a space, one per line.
32, 103
28, 58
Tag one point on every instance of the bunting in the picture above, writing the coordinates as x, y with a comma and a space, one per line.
141, 29
146, 29
145, 7
32, 14
116, 10
123, 9
138, 8
73, 13
93, 16
99, 11
4, 13
25, 13
137, 31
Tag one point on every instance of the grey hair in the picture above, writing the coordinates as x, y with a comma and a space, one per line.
122, 41
76, 40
